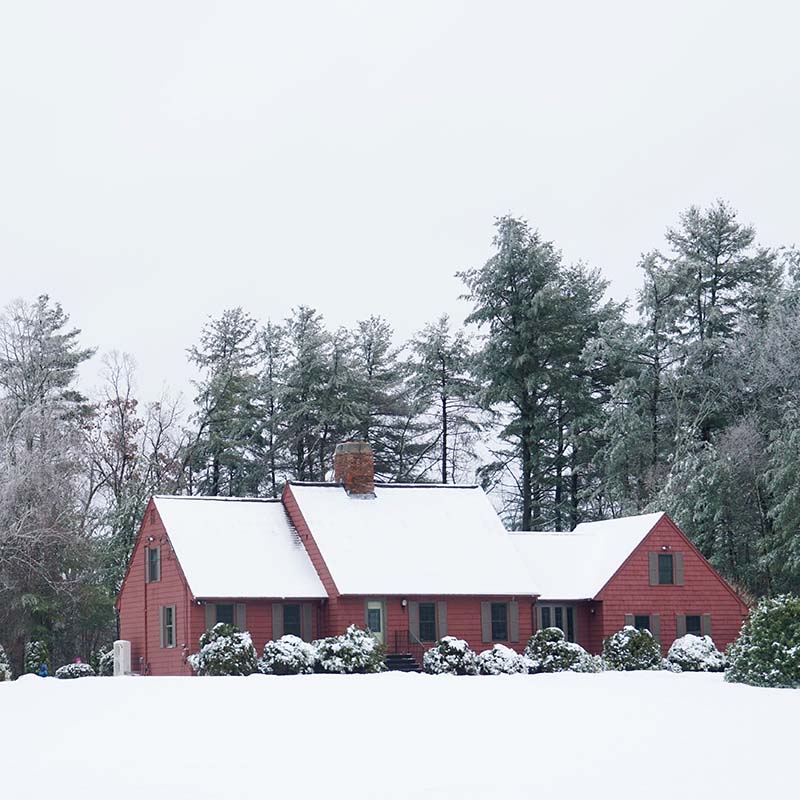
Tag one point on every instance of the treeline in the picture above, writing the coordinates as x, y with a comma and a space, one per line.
565, 405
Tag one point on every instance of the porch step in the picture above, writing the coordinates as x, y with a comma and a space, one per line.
401, 662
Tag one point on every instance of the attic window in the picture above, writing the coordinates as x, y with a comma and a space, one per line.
153, 564
666, 569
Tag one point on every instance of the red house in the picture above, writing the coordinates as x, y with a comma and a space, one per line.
412, 563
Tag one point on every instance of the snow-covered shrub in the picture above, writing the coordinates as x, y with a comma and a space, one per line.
693, 653
224, 650
288, 655
5, 666
450, 656
500, 660
77, 670
767, 652
354, 651
103, 662
549, 651
631, 649
36, 654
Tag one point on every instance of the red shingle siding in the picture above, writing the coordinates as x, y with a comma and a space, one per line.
140, 603
703, 592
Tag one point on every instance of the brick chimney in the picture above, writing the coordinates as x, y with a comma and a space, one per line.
354, 468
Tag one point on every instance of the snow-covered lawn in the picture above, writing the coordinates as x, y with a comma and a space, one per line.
564, 736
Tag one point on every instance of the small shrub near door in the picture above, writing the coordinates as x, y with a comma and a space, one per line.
549, 651
224, 650
501, 660
288, 655
76, 670
767, 652
693, 653
355, 651
450, 656
632, 649
5, 666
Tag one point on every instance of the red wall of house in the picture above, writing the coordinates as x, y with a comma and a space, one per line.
703, 592
139, 604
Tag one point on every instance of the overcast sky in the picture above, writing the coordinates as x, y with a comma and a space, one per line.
162, 161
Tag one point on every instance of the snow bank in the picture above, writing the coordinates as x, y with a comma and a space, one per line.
560, 736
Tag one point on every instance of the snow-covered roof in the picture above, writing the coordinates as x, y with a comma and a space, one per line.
231, 547
576, 566
413, 539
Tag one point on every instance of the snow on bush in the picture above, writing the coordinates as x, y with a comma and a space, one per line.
693, 653
36, 655
631, 649
77, 670
450, 656
500, 660
224, 650
103, 662
549, 651
5, 666
288, 655
767, 652
355, 651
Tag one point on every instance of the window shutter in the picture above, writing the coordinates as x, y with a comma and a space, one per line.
538, 613
655, 626
706, 625
629, 617
240, 615
211, 616
679, 569
653, 568
307, 622
513, 621
277, 621
681, 622
486, 622
162, 626
441, 618
413, 620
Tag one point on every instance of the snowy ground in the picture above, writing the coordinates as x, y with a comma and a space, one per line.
613, 735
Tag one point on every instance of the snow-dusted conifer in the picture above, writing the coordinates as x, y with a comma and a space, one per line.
77, 670
500, 660
5, 666
692, 653
36, 654
549, 651
767, 652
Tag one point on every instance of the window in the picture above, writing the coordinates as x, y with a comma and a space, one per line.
694, 624
168, 626
499, 622
374, 619
642, 622
291, 619
153, 564
225, 613
562, 617
666, 570
427, 622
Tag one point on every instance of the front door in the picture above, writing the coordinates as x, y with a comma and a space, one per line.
375, 620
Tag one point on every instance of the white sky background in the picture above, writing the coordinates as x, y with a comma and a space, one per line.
161, 161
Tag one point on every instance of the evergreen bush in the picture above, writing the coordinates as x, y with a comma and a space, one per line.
5, 666
36, 654
77, 670
549, 651
355, 651
692, 653
767, 652
500, 660
103, 662
450, 656
224, 650
632, 649
288, 655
